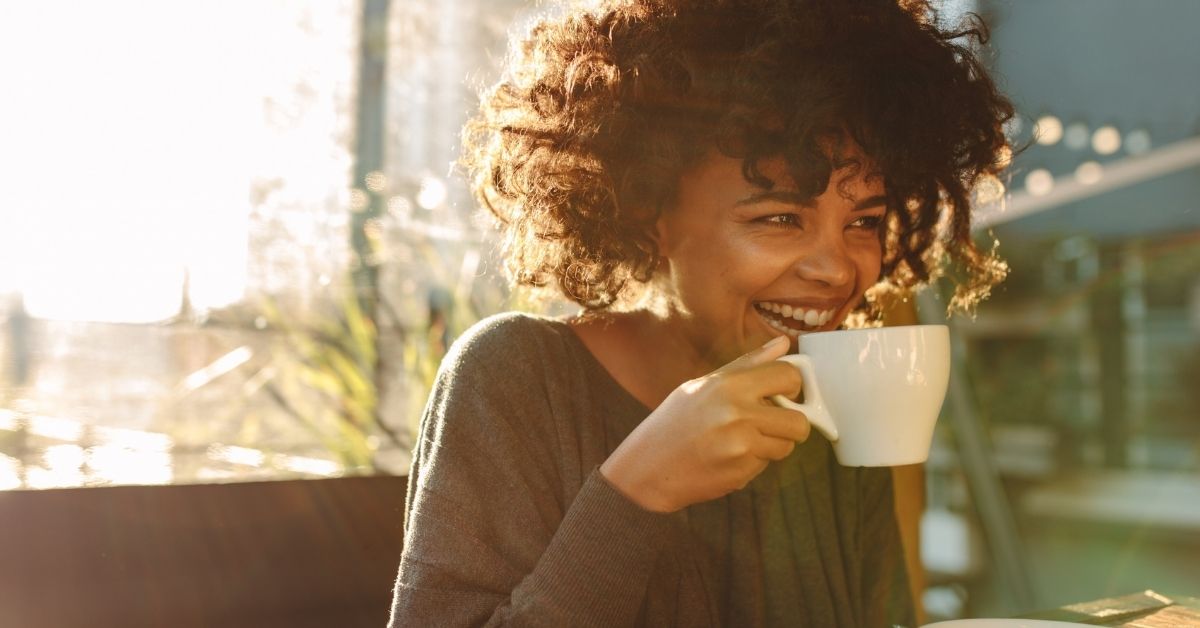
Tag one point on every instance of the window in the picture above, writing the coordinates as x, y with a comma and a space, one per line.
168, 167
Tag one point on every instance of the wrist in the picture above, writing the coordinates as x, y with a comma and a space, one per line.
641, 494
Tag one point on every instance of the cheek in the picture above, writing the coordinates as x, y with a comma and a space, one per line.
868, 259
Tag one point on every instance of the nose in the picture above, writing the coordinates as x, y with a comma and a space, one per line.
826, 260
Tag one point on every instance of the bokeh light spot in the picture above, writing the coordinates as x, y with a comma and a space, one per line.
376, 181
1004, 157
1089, 172
988, 189
359, 201
1049, 130
1039, 182
1106, 140
1137, 142
432, 193
1076, 136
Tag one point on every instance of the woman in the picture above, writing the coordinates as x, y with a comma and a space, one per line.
708, 179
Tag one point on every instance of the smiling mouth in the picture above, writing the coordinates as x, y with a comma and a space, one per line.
792, 321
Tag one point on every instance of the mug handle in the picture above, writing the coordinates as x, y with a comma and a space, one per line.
813, 406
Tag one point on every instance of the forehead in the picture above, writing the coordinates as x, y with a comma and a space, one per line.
852, 174
719, 184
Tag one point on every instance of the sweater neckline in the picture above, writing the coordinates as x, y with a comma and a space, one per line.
597, 369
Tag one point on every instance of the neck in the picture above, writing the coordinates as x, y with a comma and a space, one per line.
645, 351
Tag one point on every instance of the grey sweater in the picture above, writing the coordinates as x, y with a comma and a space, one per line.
508, 521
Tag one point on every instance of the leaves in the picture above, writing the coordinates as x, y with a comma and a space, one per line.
325, 380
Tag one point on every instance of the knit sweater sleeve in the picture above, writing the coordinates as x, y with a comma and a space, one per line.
491, 537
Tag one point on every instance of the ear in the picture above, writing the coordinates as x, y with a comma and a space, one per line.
660, 234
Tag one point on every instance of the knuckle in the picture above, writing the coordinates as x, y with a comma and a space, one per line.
697, 386
803, 430
779, 366
792, 379
738, 448
714, 385
787, 378
726, 382
727, 414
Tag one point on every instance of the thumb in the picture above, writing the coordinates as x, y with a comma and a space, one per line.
774, 349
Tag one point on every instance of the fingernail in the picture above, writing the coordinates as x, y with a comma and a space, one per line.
774, 342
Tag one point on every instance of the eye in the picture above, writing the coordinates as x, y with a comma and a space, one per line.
867, 223
781, 220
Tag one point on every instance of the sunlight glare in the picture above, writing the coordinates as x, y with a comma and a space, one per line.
132, 439
54, 427
118, 151
131, 146
63, 457
118, 464
237, 455
8, 420
10, 477
311, 466
41, 477
63, 468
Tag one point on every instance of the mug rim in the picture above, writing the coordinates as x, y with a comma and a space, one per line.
874, 329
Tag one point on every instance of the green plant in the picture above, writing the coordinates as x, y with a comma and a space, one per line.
455, 304
324, 376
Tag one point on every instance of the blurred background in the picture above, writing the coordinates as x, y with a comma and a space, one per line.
233, 247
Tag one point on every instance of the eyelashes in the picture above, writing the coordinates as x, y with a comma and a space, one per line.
869, 223
792, 221
783, 221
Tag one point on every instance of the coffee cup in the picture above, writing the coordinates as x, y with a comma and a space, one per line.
874, 393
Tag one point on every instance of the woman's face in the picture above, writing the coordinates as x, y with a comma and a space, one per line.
745, 264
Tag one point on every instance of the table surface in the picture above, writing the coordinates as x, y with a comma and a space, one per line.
1148, 609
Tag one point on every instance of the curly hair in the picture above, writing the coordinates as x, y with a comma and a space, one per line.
579, 148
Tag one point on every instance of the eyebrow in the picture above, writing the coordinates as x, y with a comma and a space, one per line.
785, 196
870, 202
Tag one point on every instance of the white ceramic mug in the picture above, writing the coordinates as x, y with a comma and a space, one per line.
874, 393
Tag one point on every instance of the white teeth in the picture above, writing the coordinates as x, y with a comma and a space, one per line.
808, 318
792, 333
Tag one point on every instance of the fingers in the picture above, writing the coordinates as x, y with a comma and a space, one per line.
774, 349
782, 423
772, 378
770, 448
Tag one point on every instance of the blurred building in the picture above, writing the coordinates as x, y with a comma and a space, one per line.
1084, 365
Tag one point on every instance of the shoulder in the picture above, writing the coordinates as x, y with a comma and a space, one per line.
509, 331
509, 349
499, 384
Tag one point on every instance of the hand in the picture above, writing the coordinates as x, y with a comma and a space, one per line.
712, 435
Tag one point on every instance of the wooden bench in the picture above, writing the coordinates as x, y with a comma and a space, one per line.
289, 553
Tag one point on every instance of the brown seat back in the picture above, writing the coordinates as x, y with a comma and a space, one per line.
295, 553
